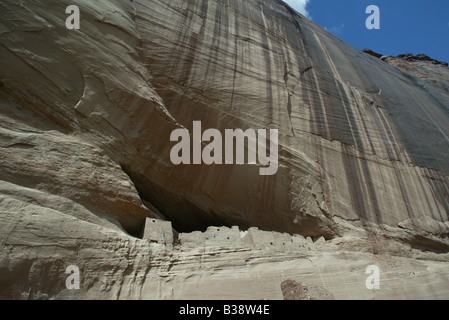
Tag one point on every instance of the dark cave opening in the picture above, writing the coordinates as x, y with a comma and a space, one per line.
185, 216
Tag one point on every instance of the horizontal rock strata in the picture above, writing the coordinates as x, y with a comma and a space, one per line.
85, 123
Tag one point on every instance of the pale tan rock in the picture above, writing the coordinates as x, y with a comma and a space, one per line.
86, 117
350, 143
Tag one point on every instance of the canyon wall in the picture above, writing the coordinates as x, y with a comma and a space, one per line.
86, 118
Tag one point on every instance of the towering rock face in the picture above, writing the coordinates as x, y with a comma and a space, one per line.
86, 119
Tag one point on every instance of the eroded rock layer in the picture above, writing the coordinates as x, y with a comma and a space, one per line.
86, 118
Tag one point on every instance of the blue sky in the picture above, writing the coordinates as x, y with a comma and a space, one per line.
406, 26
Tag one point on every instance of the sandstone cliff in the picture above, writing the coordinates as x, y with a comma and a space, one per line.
86, 117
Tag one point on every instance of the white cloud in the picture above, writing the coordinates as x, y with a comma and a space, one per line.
336, 30
300, 6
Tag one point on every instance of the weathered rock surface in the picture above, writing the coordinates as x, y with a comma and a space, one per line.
85, 124
420, 57
292, 290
